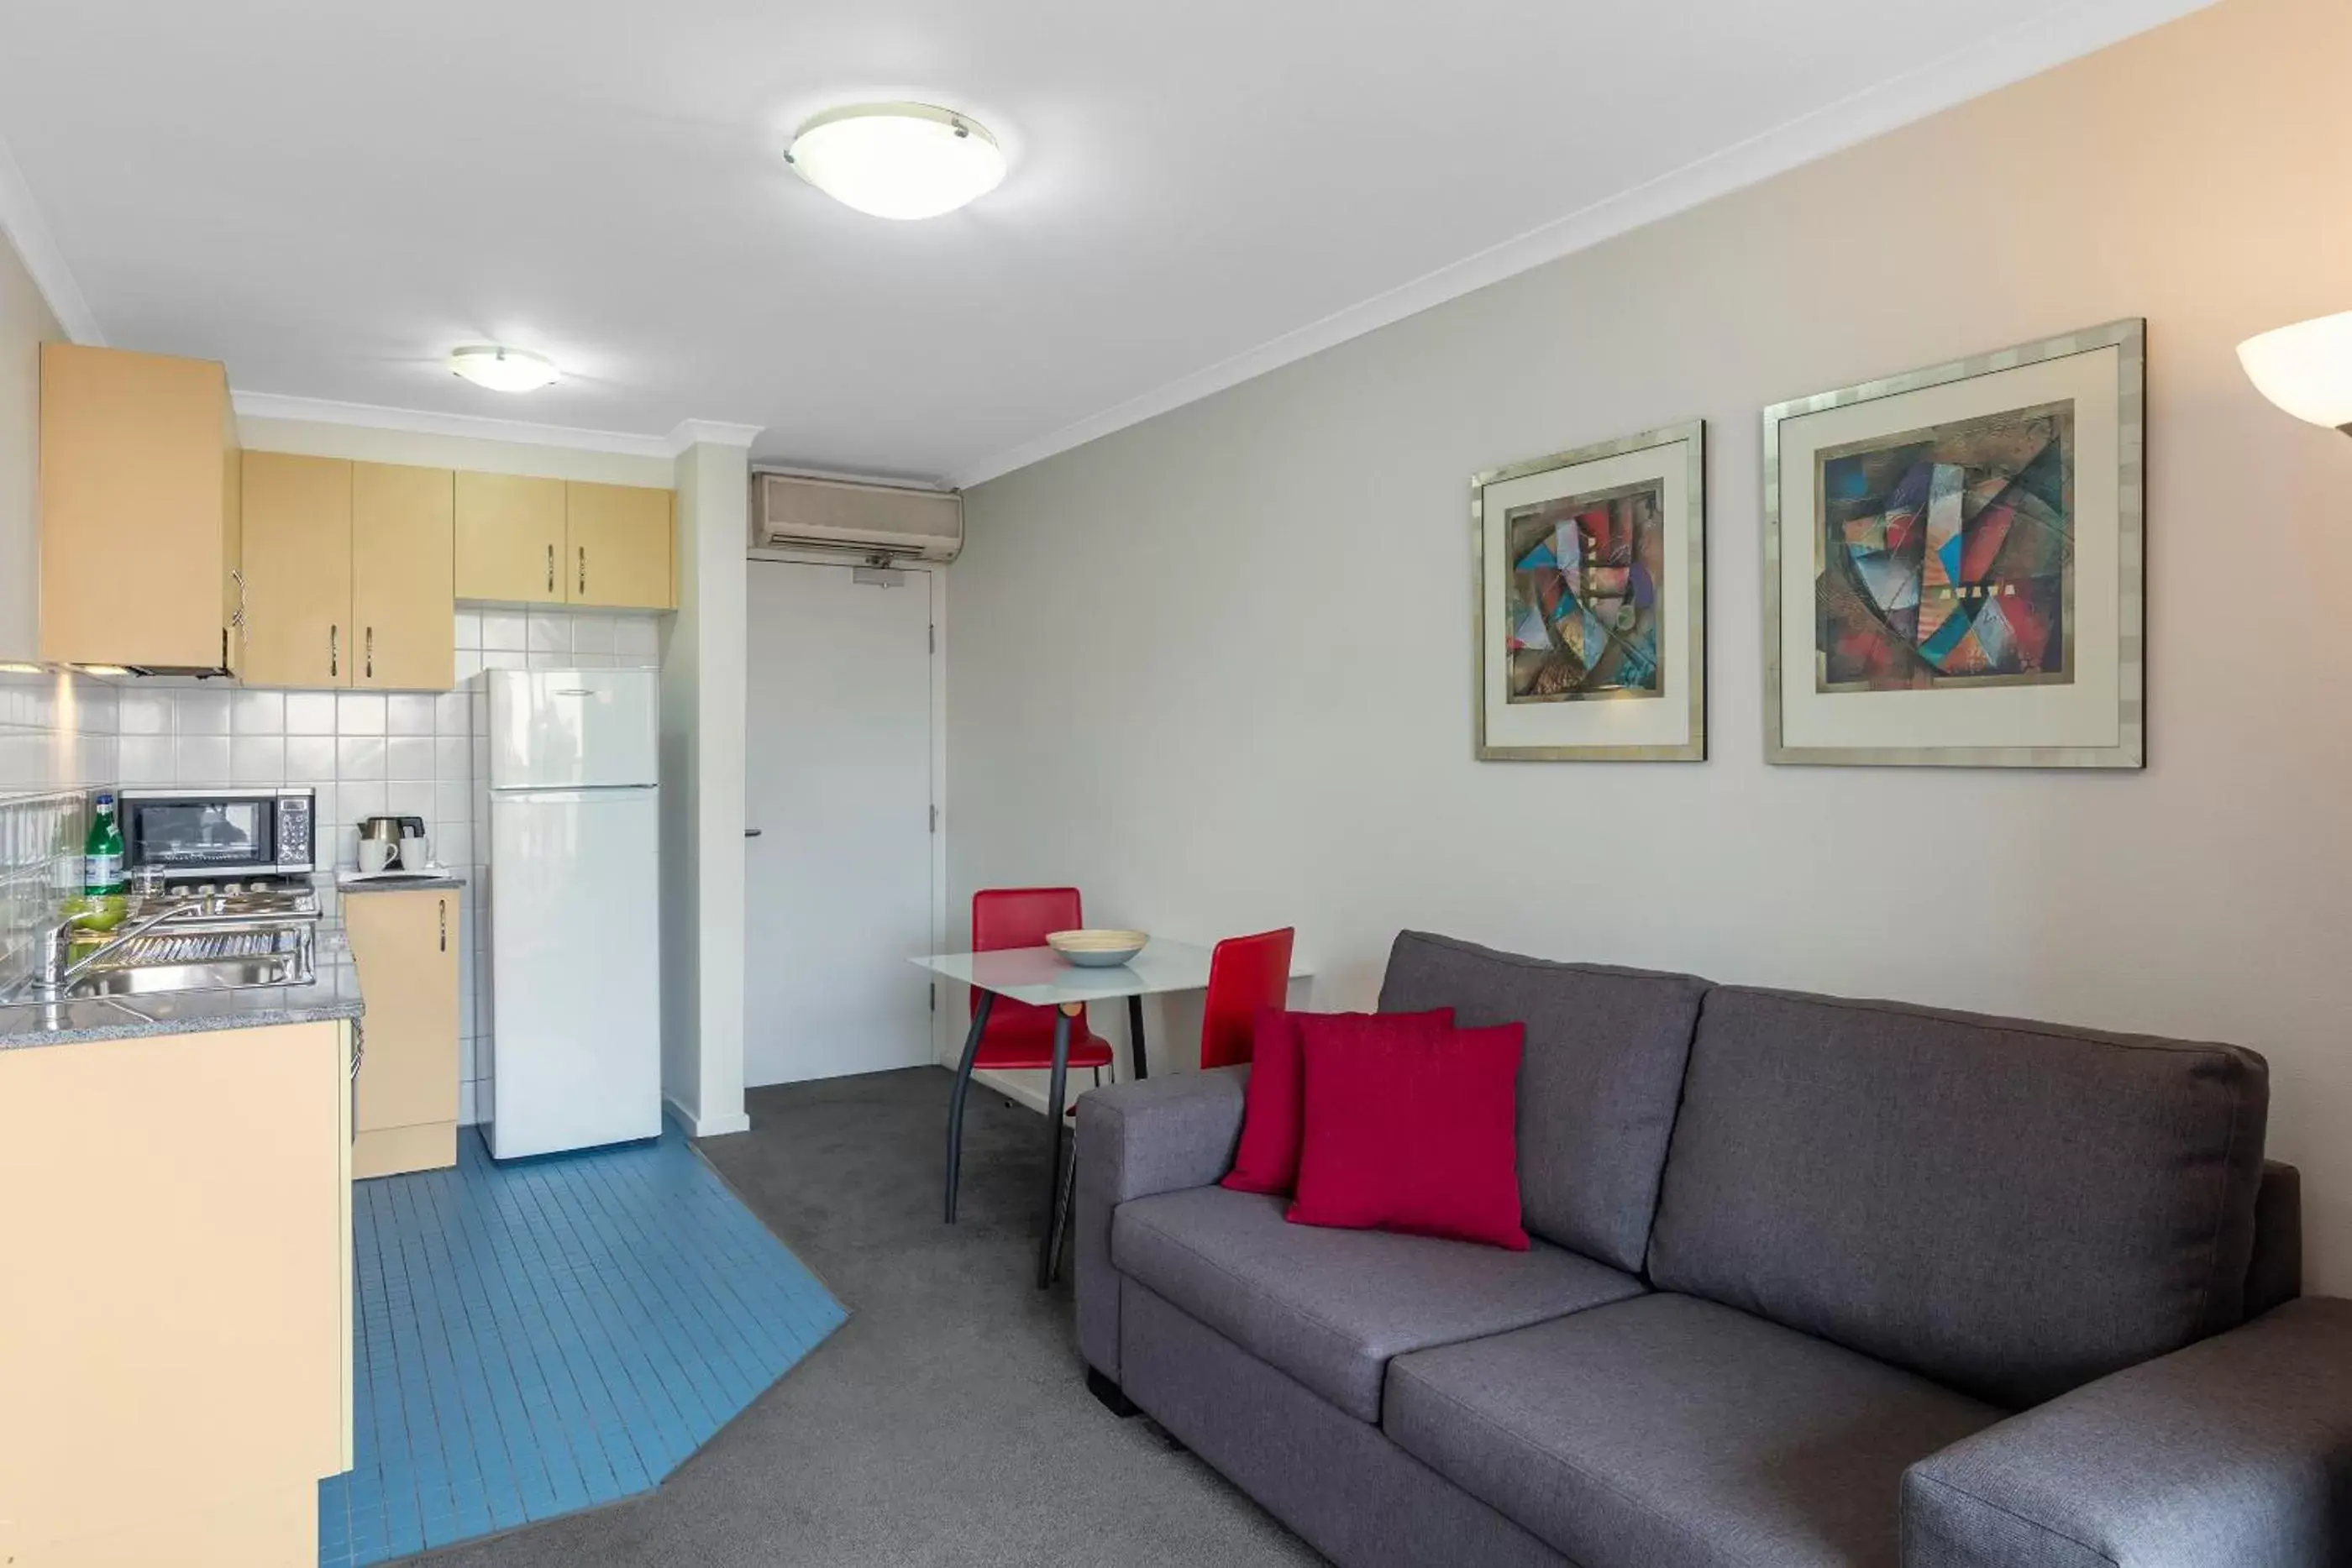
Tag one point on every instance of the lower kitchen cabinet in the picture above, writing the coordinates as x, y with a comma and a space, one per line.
404, 945
175, 1333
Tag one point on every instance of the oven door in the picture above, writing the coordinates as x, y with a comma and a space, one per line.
219, 833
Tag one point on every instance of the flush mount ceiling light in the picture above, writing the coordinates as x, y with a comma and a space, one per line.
502, 369
898, 159
2305, 369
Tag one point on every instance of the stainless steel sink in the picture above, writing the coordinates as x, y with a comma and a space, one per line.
217, 975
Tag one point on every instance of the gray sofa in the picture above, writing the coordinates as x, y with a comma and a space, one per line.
1815, 1282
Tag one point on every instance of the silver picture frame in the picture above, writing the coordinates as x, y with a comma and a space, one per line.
1693, 434
2128, 335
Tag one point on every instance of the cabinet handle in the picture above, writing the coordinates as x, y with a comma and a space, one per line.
237, 621
444, 925
359, 1047
550, 569
371, 652
334, 651
584, 569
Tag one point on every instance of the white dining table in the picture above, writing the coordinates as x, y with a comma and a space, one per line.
1042, 977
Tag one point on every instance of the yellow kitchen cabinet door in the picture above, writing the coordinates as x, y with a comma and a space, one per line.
510, 538
298, 570
405, 949
138, 490
403, 564
620, 540
172, 1339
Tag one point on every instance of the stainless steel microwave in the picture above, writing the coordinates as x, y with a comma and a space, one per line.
220, 833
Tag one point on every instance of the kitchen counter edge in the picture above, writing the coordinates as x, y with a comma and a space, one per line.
26, 1025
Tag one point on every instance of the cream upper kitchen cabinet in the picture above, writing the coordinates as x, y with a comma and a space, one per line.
348, 574
511, 543
403, 560
298, 570
620, 540
140, 516
405, 947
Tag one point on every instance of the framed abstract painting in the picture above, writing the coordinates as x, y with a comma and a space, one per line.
1953, 563
1589, 603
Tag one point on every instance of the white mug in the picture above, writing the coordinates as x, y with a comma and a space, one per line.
375, 854
416, 853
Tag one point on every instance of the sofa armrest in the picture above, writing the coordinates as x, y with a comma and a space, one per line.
2234, 1453
1161, 1134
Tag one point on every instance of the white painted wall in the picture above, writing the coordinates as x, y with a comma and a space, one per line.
703, 669
1215, 669
25, 323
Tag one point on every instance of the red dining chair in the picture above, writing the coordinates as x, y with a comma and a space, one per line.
1016, 1036
1245, 974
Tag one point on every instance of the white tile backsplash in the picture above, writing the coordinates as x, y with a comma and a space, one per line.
203, 760
409, 713
408, 756
310, 713
258, 712
259, 759
505, 631
359, 756
360, 713
203, 712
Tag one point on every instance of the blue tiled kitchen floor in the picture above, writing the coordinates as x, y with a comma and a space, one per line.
550, 1335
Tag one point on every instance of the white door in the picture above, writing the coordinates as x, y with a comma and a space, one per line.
838, 884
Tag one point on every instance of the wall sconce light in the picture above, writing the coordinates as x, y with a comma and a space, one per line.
2305, 369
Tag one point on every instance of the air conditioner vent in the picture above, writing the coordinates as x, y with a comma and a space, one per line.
867, 521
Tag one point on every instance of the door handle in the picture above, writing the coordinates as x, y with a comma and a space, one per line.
550, 569
371, 652
753, 832
334, 651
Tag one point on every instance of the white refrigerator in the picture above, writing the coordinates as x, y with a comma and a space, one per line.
575, 836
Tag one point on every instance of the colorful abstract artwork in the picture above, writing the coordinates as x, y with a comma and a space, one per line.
1582, 607
1947, 556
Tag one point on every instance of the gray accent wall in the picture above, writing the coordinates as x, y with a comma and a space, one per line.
1215, 668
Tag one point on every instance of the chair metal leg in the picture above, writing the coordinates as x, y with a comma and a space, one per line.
1065, 1210
1055, 1092
955, 1099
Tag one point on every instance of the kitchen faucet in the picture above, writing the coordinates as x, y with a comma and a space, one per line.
56, 970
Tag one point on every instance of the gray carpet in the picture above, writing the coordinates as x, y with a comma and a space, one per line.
948, 1422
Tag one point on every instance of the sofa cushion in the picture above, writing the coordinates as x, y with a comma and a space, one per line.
1331, 1307
1411, 1135
1274, 1124
2010, 1208
1667, 1432
1598, 1084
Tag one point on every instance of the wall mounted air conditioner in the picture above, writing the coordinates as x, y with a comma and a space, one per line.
868, 521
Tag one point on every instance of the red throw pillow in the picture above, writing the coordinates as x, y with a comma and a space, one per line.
1412, 1133
1274, 1106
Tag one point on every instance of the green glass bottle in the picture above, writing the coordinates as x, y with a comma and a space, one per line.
102, 877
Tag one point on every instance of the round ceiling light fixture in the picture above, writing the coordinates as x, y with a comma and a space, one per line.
898, 159
502, 369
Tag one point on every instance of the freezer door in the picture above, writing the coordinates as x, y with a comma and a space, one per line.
573, 729
575, 961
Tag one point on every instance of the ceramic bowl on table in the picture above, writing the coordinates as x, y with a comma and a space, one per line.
1096, 949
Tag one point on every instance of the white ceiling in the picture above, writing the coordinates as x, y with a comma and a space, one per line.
329, 195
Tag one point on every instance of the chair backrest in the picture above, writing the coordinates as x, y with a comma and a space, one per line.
1020, 917
1245, 973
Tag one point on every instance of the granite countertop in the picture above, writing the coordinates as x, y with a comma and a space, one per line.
353, 881
334, 995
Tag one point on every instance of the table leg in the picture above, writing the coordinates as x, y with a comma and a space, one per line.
955, 1099
1053, 1120
1135, 1036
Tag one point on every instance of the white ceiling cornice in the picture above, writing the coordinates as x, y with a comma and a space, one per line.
21, 221
482, 427
2002, 58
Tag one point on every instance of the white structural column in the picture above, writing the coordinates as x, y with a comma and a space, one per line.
702, 724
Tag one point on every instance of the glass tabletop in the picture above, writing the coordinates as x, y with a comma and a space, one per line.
1040, 976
